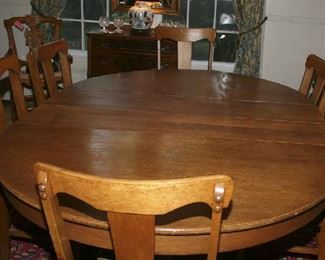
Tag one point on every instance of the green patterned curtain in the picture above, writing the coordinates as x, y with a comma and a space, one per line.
249, 17
48, 7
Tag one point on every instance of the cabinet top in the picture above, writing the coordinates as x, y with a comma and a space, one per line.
127, 32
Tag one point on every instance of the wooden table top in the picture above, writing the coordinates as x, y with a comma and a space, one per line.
174, 124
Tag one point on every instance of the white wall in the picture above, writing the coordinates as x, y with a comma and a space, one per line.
10, 8
295, 28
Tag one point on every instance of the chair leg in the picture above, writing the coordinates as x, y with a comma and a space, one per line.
321, 254
4, 229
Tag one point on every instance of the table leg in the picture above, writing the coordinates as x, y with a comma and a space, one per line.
4, 228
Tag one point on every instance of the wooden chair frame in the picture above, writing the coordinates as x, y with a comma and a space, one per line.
11, 64
44, 55
33, 33
185, 37
313, 81
131, 206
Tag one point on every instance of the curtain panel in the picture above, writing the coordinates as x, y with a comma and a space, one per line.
47, 8
249, 17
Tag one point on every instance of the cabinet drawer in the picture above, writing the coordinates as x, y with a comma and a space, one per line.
133, 45
120, 62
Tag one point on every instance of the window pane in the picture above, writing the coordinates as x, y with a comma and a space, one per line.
201, 13
72, 33
72, 10
200, 50
225, 15
93, 9
224, 51
226, 47
90, 27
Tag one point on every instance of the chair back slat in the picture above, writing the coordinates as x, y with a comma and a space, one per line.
318, 89
306, 81
313, 81
133, 233
321, 105
131, 205
185, 37
44, 55
184, 54
2, 117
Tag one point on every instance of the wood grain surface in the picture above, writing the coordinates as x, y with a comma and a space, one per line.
152, 125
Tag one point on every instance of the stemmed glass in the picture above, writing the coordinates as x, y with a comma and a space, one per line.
103, 23
118, 22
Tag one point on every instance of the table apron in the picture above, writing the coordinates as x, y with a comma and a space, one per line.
178, 244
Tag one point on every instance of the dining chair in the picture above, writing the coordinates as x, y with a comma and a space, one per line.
40, 63
317, 249
37, 31
131, 206
184, 38
313, 81
10, 64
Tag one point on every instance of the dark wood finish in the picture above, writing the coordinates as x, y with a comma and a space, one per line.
33, 28
44, 55
313, 81
131, 206
2, 117
11, 64
113, 53
318, 250
173, 124
174, 7
4, 228
184, 38
34, 33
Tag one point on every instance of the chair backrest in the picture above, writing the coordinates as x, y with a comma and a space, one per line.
11, 65
313, 81
34, 28
131, 206
40, 61
184, 38
321, 104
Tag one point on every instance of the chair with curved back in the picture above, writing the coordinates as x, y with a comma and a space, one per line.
313, 81
184, 38
40, 63
37, 30
131, 206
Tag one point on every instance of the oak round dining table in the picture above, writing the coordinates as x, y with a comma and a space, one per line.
173, 124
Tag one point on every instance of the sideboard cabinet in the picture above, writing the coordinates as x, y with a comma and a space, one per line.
113, 53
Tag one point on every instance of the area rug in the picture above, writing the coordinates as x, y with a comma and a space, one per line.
22, 250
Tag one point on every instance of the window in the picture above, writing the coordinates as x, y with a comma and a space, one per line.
81, 16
